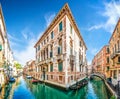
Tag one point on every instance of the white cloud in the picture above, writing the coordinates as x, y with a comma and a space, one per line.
27, 33
26, 54
95, 27
112, 13
30, 39
12, 37
48, 18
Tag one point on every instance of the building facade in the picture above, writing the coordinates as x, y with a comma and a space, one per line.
6, 55
30, 69
114, 44
101, 61
61, 51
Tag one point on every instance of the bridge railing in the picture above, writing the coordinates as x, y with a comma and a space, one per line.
99, 74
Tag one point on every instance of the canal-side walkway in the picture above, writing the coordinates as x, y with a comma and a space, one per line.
115, 89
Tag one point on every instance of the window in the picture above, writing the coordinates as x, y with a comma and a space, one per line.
60, 47
51, 67
80, 43
107, 59
72, 65
59, 50
44, 41
60, 66
108, 68
38, 47
60, 78
51, 51
118, 46
115, 47
47, 52
115, 74
52, 35
60, 26
70, 28
51, 54
51, 76
107, 50
0, 47
48, 39
119, 59
71, 47
36, 50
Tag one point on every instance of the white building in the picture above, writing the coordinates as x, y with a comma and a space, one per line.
61, 51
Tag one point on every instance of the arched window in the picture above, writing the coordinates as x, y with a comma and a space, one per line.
60, 47
119, 59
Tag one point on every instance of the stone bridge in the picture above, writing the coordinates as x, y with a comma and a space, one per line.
98, 74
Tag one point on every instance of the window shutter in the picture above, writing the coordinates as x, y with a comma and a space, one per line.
60, 66
0, 47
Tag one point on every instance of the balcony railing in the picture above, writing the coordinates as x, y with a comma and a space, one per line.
115, 53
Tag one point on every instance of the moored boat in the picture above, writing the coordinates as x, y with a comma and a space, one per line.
11, 79
78, 85
35, 81
28, 77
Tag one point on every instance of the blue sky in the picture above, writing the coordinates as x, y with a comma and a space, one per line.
26, 20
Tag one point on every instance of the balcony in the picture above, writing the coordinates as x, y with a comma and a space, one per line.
116, 53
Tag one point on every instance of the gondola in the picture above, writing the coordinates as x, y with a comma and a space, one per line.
78, 85
35, 81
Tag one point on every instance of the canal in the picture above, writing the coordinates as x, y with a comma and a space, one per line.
24, 89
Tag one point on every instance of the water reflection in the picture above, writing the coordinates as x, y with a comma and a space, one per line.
24, 89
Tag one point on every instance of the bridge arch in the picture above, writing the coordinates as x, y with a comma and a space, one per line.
100, 75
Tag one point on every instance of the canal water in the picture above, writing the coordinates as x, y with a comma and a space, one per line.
24, 89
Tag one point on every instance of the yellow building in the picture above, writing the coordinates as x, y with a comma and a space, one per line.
114, 45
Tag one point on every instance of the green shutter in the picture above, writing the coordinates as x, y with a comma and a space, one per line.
0, 47
51, 54
51, 67
52, 35
60, 66
58, 50
60, 26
